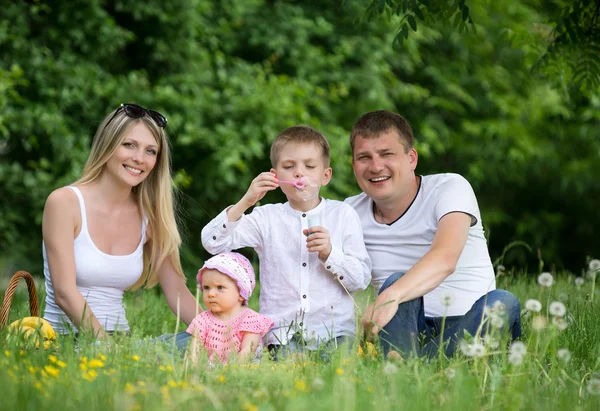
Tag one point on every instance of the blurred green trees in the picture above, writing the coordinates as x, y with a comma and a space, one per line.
230, 74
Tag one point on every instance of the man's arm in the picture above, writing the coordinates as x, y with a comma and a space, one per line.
428, 273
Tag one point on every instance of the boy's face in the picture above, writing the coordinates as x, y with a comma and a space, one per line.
220, 293
300, 160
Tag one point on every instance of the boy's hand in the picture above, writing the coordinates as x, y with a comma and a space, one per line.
264, 182
318, 241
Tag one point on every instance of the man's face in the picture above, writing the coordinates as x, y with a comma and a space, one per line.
383, 170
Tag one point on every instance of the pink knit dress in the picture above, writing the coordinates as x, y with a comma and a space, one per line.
223, 337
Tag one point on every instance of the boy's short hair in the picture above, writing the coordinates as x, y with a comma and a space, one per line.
301, 135
375, 123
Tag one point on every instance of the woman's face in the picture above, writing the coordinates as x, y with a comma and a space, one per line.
135, 157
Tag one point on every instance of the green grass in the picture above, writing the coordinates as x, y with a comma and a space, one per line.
134, 375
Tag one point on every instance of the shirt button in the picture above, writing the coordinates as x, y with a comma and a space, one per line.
303, 215
224, 226
341, 277
328, 267
214, 237
303, 264
301, 324
304, 296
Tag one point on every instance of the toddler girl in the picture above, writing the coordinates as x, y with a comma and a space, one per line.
228, 325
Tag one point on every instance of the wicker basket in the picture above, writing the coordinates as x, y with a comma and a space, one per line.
10, 292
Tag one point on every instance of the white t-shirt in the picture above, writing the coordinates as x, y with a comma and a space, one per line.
398, 246
299, 292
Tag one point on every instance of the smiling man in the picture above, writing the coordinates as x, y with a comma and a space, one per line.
425, 238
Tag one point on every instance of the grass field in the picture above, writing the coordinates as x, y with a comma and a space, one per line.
559, 370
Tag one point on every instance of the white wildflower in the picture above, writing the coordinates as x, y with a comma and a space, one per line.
491, 342
579, 281
560, 323
390, 368
515, 358
478, 350
500, 268
557, 309
593, 386
533, 305
318, 383
518, 347
539, 322
498, 306
564, 355
594, 265
466, 348
450, 373
447, 298
496, 321
546, 280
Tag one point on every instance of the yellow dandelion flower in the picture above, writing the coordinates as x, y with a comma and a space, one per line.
31, 369
339, 371
301, 386
249, 407
53, 371
164, 390
135, 358
102, 357
61, 364
95, 363
141, 383
369, 389
83, 360
22, 352
7, 353
172, 384
38, 385
169, 368
129, 388
90, 375
52, 358
44, 373
83, 367
221, 378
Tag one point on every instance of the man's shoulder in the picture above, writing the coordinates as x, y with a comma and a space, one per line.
357, 200
443, 178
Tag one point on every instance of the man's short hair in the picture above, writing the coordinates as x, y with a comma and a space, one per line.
300, 135
375, 123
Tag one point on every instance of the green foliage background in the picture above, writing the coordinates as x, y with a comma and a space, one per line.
230, 74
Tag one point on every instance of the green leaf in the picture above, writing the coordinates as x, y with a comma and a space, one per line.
412, 22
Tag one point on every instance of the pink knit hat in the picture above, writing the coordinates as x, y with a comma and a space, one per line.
235, 266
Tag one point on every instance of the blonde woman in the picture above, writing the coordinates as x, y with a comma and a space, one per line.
114, 229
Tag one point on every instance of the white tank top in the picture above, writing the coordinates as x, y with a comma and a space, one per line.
101, 278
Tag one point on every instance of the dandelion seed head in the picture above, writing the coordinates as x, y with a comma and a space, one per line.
533, 305
593, 386
557, 309
466, 348
450, 373
518, 347
500, 268
478, 350
594, 265
447, 298
545, 280
496, 321
318, 383
390, 368
538, 323
498, 306
564, 355
579, 281
560, 323
491, 342
515, 358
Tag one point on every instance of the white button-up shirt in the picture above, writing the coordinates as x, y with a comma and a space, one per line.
299, 292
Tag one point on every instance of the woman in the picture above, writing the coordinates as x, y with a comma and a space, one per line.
114, 229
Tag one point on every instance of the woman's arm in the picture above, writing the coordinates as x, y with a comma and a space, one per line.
58, 229
250, 342
175, 289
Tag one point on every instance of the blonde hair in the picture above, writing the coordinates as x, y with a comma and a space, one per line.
300, 135
154, 195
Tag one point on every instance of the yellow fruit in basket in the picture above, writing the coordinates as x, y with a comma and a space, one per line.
35, 328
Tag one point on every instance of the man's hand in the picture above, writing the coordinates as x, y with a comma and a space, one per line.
318, 241
264, 182
378, 314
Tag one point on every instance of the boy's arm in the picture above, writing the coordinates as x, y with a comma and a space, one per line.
351, 263
250, 342
228, 231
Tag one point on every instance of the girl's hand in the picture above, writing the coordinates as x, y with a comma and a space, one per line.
318, 241
264, 182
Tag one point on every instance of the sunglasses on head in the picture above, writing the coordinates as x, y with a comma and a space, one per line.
135, 111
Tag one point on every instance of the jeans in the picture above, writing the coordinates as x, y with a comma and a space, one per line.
294, 345
181, 340
411, 333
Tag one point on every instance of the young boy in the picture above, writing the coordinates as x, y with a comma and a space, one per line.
306, 276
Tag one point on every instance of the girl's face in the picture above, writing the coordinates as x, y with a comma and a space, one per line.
220, 294
135, 158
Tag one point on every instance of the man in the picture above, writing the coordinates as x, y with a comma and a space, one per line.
425, 238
